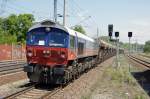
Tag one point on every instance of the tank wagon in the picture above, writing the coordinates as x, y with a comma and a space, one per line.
56, 54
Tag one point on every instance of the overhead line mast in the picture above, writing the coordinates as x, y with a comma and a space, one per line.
64, 13
55, 10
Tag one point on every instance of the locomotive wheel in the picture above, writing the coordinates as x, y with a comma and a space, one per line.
79, 68
86, 67
66, 78
91, 64
70, 73
75, 70
29, 74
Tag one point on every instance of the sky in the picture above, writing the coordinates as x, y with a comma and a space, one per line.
125, 15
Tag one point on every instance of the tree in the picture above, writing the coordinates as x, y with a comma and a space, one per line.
80, 29
147, 46
15, 26
25, 21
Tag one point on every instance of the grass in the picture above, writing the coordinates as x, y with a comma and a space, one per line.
120, 75
119, 80
141, 96
145, 54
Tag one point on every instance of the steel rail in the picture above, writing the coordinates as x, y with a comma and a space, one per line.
12, 96
8, 67
33, 92
140, 61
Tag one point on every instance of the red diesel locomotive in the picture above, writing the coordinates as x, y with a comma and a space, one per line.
56, 54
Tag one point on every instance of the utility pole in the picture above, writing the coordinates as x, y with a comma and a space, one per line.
64, 13
117, 56
117, 48
136, 46
55, 10
98, 38
129, 46
97, 32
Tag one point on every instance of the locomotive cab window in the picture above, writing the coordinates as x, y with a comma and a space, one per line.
37, 38
57, 39
72, 42
80, 48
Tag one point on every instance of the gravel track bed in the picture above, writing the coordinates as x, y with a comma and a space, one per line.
8, 78
82, 86
13, 87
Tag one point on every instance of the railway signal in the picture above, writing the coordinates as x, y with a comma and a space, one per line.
110, 30
129, 35
116, 34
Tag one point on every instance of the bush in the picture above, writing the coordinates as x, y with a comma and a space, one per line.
147, 47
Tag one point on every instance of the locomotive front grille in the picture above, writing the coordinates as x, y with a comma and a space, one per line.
55, 53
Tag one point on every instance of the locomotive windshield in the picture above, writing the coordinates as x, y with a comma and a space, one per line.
53, 38
57, 39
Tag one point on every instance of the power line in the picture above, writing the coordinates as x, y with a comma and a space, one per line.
20, 9
26, 9
69, 11
80, 9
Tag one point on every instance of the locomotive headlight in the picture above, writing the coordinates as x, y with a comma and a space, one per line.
47, 29
30, 54
48, 52
44, 52
63, 55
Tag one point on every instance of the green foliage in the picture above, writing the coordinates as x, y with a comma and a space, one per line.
120, 75
80, 29
7, 38
147, 47
141, 96
15, 26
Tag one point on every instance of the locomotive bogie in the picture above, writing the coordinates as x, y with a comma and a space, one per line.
47, 75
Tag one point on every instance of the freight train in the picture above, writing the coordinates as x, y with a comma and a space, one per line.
56, 54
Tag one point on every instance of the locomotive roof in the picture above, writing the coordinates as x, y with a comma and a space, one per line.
49, 23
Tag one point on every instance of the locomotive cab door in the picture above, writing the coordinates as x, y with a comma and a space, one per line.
76, 45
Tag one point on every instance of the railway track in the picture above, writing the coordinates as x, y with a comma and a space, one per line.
144, 55
140, 61
7, 67
34, 92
